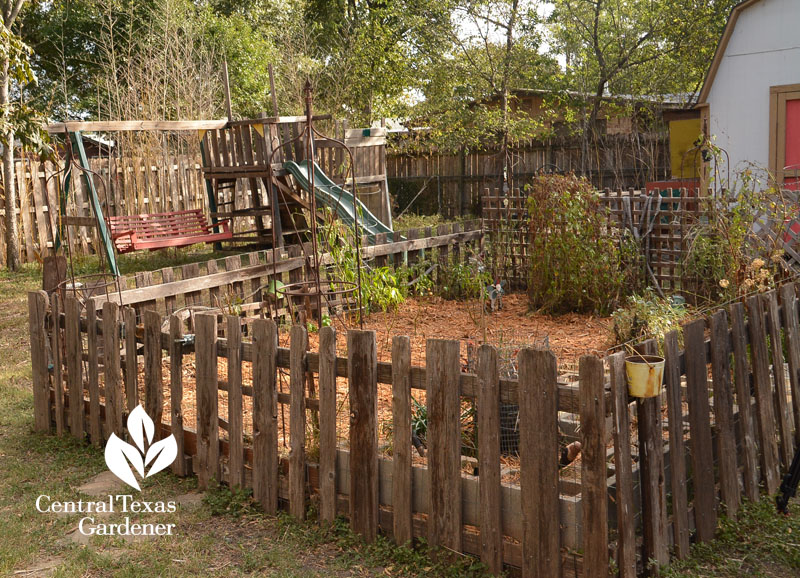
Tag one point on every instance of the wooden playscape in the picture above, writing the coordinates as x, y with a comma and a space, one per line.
264, 179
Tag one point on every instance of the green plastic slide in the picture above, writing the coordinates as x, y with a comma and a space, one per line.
332, 195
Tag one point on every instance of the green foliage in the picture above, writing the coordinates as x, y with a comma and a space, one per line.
575, 266
381, 287
223, 500
419, 419
645, 316
637, 47
462, 280
726, 257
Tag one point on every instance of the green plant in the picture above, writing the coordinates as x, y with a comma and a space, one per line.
463, 280
419, 419
381, 287
647, 315
223, 500
575, 265
739, 249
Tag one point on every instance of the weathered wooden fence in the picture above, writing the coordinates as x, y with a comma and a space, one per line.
456, 181
128, 185
663, 220
663, 488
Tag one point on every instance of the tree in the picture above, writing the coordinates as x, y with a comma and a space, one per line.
635, 47
493, 47
14, 66
369, 52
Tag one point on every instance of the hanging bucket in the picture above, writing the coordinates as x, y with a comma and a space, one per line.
645, 374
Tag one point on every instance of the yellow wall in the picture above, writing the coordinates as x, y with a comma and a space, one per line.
682, 136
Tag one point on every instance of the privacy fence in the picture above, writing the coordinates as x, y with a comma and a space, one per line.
125, 185
653, 473
660, 222
454, 183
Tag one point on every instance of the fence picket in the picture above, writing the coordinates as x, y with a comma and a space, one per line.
779, 378
705, 514
74, 354
402, 522
207, 400
131, 361
593, 465
723, 412
765, 415
153, 383
235, 415
790, 323
37, 312
176, 391
677, 447
444, 443
651, 455
362, 369
327, 424
265, 417
56, 348
489, 459
112, 369
538, 416
626, 528
297, 422
95, 425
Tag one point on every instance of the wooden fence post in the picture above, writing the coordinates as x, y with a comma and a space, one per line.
402, 508
444, 443
677, 447
265, 414
176, 391
744, 401
207, 400
56, 347
626, 525
37, 311
112, 369
327, 424
95, 424
594, 496
538, 417
489, 459
765, 414
74, 358
705, 512
153, 384
297, 422
235, 415
362, 369
723, 412
651, 455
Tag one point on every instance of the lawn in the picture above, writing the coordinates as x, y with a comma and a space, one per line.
224, 534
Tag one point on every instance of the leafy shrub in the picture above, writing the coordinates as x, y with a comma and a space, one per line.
647, 315
575, 266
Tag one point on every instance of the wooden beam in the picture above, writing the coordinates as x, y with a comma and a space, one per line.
134, 125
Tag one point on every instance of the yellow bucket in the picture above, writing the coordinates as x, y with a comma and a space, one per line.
645, 374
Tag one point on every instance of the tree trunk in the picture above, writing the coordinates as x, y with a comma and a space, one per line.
12, 234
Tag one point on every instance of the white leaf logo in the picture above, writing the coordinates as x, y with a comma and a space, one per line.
120, 455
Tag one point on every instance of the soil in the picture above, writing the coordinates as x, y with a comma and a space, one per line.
511, 328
